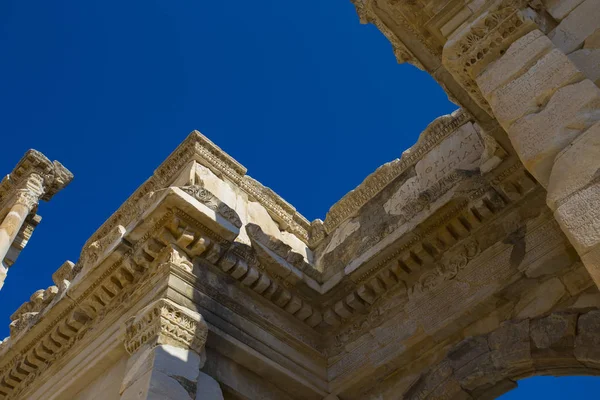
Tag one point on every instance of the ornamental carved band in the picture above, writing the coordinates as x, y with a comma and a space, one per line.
164, 322
485, 40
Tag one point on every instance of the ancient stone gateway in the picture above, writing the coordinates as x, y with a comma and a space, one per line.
452, 272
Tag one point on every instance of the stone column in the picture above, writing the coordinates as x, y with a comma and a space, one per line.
24, 202
166, 344
546, 104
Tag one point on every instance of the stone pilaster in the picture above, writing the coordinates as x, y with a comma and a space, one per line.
166, 344
549, 108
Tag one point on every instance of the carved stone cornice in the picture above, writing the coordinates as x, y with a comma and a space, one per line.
164, 322
367, 15
71, 308
374, 183
197, 147
433, 252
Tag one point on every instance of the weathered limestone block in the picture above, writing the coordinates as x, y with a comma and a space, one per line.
162, 372
533, 88
166, 343
577, 279
561, 8
587, 342
519, 58
555, 330
588, 62
472, 363
428, 382
510, 345
576, 166
583, 21
461, 150
208, 388
579, 218
538, 138
593, 41
540, 300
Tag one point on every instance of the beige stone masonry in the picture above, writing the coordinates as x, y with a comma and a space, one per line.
519, 58
582, 22
559, 9
588, 62
593, 41
579, 216
575, 167
539, 137
534, 88
166, 343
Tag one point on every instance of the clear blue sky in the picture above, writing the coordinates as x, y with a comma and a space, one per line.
305, 97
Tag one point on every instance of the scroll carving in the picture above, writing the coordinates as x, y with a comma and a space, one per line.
211, 201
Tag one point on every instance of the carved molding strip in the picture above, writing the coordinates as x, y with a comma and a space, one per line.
484, 41
198, 147
374, 183
112, 289
424, 261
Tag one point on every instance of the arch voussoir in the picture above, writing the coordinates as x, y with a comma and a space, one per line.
486, 366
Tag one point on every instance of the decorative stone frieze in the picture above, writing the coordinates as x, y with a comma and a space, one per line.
374, 183
484, 40
164, 322
198, 147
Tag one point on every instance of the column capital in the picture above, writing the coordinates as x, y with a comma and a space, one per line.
27, 198
164, 322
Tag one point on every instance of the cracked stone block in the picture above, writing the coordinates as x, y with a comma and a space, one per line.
539, 137
534, 88
576, 166
587, 342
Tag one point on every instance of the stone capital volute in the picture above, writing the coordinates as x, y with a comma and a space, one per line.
164, 322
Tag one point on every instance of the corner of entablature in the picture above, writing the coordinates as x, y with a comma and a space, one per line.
165, 322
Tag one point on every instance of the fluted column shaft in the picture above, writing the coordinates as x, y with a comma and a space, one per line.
24, 202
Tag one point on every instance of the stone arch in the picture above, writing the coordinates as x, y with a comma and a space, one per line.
486, 366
